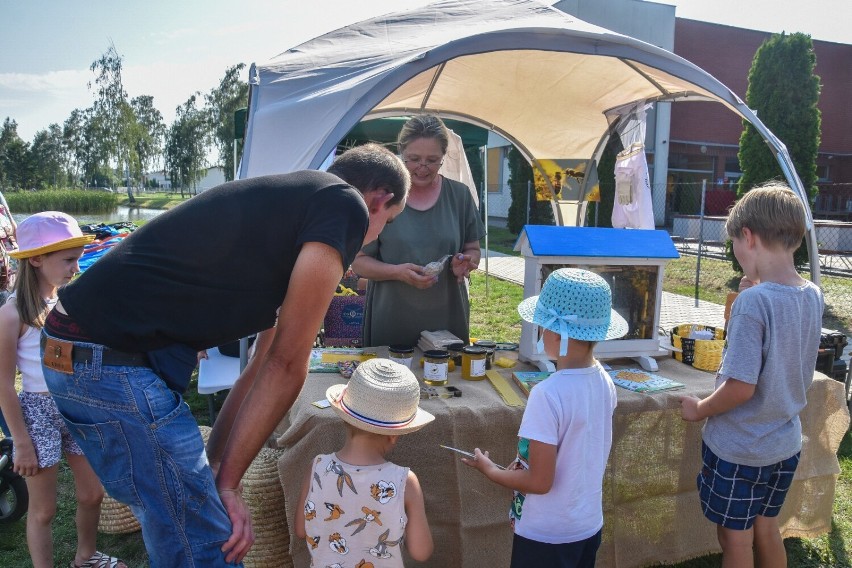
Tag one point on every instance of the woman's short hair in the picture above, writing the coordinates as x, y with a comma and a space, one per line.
369, 167
772, 212
423, 126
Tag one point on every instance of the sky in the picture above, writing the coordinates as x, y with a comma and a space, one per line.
172, 49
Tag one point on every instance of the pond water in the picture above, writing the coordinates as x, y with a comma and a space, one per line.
122, 213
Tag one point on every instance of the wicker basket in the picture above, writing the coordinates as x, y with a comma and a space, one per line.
264, 495
116, 518
704, 354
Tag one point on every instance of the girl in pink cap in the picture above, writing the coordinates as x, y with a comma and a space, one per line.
50, 245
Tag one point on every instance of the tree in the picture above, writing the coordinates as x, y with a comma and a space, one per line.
73, 143
520, 176
151, 132
222, 102
784, 91
92, 153
17, 167
113, 111
606, 182
18, 164
186, 145
47, 157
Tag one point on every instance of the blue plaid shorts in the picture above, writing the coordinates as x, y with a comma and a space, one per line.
733, 495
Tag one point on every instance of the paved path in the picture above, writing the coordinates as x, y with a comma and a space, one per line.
675, 309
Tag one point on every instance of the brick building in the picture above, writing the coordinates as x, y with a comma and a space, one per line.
704, 137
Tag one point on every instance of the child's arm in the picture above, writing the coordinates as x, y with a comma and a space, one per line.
538, 479
728, 396
299, 529
26, 461
418, 537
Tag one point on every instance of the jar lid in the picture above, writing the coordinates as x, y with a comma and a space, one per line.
474, 350
401, 349
455, 346
486, 343
436, 354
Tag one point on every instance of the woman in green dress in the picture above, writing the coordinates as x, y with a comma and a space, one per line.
440, 219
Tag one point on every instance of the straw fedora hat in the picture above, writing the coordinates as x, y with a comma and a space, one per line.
48, 231
381, 397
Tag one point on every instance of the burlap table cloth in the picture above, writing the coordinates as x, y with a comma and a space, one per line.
651, 511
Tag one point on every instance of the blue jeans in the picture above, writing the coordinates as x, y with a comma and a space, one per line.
144, 445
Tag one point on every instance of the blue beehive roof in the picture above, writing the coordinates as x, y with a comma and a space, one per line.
550, 240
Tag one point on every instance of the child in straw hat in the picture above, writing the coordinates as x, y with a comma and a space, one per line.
50, 245
358, 506
566, 431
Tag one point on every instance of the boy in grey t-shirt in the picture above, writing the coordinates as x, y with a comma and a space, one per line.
753, 436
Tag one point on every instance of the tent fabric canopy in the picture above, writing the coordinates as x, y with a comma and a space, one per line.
538, 76
544, 80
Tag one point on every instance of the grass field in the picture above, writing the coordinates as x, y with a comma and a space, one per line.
496, 317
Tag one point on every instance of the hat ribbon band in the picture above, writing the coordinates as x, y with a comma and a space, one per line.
564, 320
373, 421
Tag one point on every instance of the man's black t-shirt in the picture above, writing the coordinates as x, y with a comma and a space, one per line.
215, 268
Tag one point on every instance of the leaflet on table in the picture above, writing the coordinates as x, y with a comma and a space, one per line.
325, 359
638, 380
526, 380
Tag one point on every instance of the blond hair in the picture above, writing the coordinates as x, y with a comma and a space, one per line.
32, 308
772, 212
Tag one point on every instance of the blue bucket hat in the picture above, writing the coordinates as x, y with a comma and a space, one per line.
574, 303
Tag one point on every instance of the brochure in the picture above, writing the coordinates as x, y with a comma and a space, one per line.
526, 380
638, 380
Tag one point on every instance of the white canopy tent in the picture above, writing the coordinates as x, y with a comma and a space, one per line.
546, 81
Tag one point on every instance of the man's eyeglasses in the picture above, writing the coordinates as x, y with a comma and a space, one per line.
432, 163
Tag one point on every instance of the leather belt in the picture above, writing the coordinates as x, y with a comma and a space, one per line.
111, 357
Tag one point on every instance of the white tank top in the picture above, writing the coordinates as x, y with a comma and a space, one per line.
29, 357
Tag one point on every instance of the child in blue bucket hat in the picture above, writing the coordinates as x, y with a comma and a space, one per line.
566, 432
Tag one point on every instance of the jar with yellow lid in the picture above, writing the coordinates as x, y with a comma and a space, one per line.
435, 367
473, 363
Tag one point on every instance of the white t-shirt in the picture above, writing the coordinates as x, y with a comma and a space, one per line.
572, 410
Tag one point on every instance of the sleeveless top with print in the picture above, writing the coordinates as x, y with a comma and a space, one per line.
355, 515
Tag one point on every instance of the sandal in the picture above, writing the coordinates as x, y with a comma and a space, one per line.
100, 560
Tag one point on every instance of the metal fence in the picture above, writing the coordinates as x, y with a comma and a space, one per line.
691, 231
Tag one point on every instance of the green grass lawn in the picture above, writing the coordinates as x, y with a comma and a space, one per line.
493, 315
153, 199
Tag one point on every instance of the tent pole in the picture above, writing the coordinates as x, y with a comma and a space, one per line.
484, 151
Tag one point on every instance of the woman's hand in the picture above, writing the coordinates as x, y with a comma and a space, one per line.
462, 265
413, 275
